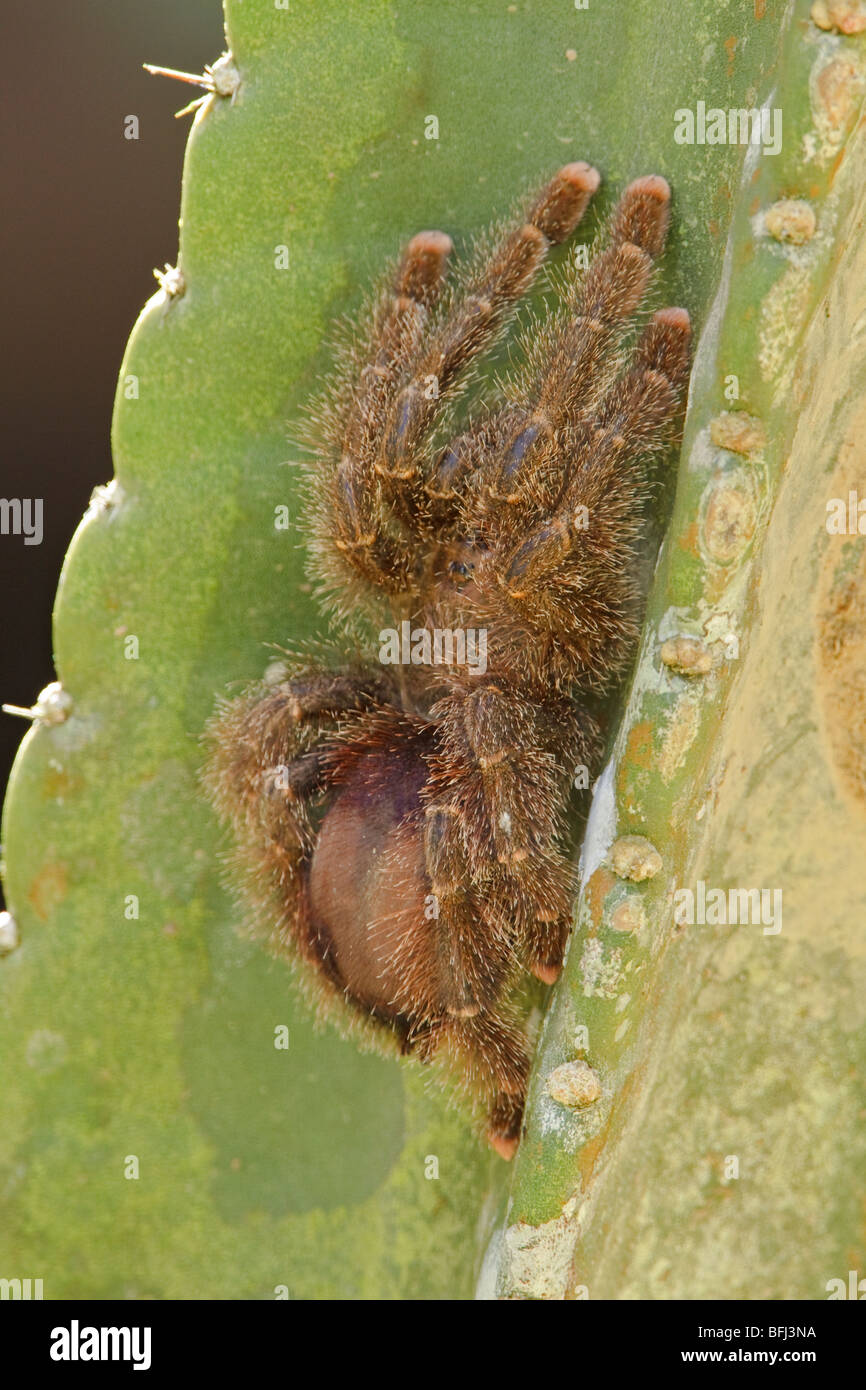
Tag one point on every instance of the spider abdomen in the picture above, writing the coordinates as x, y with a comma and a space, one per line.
367, 881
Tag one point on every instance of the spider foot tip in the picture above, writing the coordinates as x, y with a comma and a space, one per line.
675, 317
650, 186
580, 175
506, 1148
431, 243
547, 974
564, 201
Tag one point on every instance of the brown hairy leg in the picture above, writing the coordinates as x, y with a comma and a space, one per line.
567, 587
499, 779
489, 1051
377, 478
572, 362
267, 764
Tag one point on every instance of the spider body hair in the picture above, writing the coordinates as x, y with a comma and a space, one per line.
402, 831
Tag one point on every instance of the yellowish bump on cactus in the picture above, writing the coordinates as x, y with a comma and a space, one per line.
848, 16
738, 432
635, 858
791, 220
574, 1084
687, 656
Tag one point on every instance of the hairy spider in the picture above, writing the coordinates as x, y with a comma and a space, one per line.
400, 822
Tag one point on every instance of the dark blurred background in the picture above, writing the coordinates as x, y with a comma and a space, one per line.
87, 215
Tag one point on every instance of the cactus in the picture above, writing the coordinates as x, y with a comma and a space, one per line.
680, 1142
159, 1139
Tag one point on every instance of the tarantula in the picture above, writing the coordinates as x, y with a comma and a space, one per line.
400, 825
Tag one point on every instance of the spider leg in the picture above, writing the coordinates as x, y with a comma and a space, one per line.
378, 480
271, 728
499, 781
472, 942
565, 589
478, 315
446, 482
491, 1057
349, 538
497, 786
571, 362
266, 763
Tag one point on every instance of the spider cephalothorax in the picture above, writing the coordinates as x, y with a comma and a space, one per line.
399, 821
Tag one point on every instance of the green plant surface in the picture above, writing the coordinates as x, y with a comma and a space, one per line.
148, 1042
